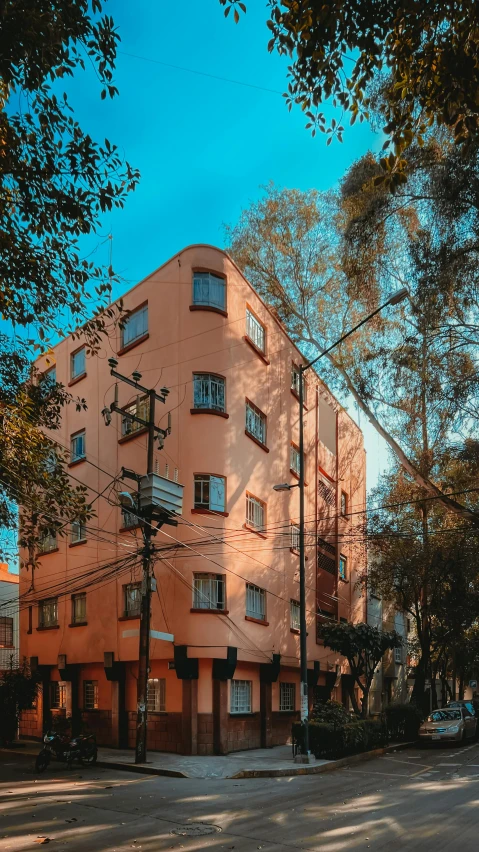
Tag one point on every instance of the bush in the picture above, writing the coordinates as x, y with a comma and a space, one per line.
331, 712
330, 741
403, 721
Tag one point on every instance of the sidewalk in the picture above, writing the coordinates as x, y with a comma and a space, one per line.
255, 763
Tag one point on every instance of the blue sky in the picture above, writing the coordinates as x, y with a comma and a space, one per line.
203, 146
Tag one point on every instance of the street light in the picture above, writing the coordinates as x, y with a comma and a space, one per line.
393, 299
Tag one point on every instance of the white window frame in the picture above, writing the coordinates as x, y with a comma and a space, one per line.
398, 655
49, 608
90, 695
135, 325
255, 331
78, 446
74, 371
346, 502
79, 608
78, 532
294, 458
343, 575
132, 592
287, 697
209, 290
209, 392
294, 615
255, 513
156, 695
255, 423
212, 486
48, 543
241, 694
295, 536
140, 408
209, 591
255, 602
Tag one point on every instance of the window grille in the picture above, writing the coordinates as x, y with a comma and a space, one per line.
325, 563
294, 458
255, 512
255, 422
208, 391
343, 567
209, 492
240, 696
156, 695
208, 591
398, 655
48, 543
90, 695
6, 632
255, 330
140, 408
133, 599
326, 493
49, 612
78, 446
78, 532
255, 602
79, 608
209, 290
134, 326
295, 536
287, 695
294, 612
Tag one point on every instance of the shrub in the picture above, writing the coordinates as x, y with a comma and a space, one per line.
331, 712
330, 742
403, 721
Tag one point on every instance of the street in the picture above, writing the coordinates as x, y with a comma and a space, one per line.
418, 799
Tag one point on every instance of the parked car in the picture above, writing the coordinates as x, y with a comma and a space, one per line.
463, 703
450, 724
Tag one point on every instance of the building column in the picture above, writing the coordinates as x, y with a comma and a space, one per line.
266, 714
115, 673
220, 716
189, 716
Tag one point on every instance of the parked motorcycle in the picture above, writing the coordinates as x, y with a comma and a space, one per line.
55, 747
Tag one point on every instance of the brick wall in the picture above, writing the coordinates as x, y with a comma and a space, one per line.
31, 724
98, 722
281, 727
205, 733
244, 732
164, 732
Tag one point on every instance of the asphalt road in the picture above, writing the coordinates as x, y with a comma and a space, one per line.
419, 799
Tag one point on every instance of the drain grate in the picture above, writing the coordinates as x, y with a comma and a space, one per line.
196, 829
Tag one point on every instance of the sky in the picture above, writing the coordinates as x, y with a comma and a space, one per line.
204, 145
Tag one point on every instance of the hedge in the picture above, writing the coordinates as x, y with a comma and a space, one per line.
331, 742
403, 721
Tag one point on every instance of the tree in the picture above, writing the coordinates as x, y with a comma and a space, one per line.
364, 647
293, 246
18, 691
421, 57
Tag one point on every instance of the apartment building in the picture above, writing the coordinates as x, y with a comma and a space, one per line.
227, 582
390, 682
9, 638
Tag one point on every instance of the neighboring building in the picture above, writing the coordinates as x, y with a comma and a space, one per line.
9, 639
390, 682
231, 679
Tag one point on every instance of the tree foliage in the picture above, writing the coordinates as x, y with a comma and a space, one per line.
18, 691
364, 647
422, 57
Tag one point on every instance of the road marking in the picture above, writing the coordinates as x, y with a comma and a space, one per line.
449, 764
395, 760
388, 774
421, 772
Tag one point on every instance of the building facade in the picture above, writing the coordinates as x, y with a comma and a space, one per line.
227, 577
390, 682
9, 634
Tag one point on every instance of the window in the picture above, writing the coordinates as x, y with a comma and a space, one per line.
134, 326
344, 503
48, 613
240, 696
58, 695
6, 632
255, 602
255, 331
294, 615
294, 458
132, 599
255, 422
48, 543
78, 446
79, 608
326, 492
343, 567
129, 519
408, 624
295, 374
50, 377
156, 695
295, 534
209, 492
90, 695
287, 696
255, 513
139, 408
78, 532
208, 591
208, 391
77, 364
209, 290
398, 655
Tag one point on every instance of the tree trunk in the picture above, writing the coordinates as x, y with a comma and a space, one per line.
365, 702
461, 684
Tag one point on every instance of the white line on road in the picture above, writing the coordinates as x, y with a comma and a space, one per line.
449, 764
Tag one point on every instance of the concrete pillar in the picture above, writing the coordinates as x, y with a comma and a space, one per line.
266, 715
189, 718
220, 716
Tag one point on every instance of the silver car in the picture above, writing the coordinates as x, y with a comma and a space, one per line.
448, 725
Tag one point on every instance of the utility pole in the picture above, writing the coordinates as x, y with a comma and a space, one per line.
145, 607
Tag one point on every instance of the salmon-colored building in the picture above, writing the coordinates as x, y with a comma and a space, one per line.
227, 586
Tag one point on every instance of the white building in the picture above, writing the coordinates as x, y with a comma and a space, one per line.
390, 680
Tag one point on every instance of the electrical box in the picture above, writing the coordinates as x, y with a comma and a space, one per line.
157, 492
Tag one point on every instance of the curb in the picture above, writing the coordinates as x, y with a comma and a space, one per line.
141, 769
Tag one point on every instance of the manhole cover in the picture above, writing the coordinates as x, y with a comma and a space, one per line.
196, 829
